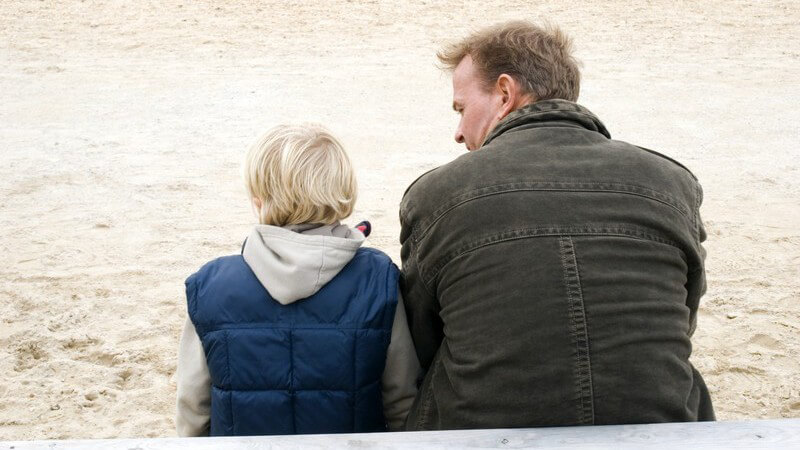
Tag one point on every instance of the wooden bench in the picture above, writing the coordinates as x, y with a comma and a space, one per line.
772, 434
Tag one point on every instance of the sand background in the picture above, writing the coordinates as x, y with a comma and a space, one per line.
122, 127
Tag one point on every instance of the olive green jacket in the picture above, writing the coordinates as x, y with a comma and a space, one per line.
552, 277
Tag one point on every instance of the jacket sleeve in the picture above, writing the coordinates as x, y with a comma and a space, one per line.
400, 373
422, 307
696, 280
193, 412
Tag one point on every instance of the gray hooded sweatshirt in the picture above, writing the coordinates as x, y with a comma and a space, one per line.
305, 258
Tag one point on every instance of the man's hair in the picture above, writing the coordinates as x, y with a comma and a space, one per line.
301, 174
539, 58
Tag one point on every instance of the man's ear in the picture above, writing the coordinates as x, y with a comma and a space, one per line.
512, 94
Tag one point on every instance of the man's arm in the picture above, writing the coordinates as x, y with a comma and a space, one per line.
422, 307
696, 279
399, 382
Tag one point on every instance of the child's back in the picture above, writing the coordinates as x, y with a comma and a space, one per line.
294, 336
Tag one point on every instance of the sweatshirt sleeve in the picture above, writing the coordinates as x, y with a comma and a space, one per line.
193, 413
401, 371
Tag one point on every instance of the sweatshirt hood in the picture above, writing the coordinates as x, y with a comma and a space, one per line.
296, 261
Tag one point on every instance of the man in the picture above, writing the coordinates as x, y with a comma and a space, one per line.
551, 275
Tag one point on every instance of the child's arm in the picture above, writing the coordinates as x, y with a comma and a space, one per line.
193, 413
401, 371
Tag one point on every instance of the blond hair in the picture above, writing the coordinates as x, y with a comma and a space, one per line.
300, 174
539, 58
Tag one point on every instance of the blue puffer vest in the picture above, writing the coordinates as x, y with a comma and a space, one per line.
313, 366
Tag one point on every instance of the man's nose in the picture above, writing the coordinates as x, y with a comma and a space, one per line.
459, 136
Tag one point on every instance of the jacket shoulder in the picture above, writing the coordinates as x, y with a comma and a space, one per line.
376, 259
418, 180
222, 268
213, 267
667, 158
374, 253
428, 187
378, 263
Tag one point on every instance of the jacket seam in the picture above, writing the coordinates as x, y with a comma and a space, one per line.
292, 390
229, 383
422, 229
577, 316
697, 201
283, 389
353, 387
432, 274
284, 326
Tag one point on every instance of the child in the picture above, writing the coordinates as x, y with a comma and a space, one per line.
305, 330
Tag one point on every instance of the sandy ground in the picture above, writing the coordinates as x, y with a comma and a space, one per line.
122, 126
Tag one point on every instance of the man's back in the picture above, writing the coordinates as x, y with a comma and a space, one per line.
552, 278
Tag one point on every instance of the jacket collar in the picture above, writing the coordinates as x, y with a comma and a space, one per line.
539, 113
